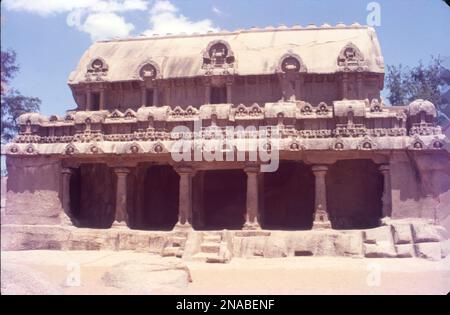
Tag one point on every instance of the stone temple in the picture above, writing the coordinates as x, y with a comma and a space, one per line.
354, 177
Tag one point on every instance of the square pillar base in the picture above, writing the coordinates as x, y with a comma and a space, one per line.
251, 226
180, 227
117, 224
317, 225
65, 220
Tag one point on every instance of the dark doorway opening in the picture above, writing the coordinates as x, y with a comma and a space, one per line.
223, 200
218, 95
289, 197
95, 101
155, 197
354, 192
92, 195
149, 97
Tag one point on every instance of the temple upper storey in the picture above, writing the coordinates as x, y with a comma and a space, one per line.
311, 64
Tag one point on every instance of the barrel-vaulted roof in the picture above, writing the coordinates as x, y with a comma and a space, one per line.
254, 52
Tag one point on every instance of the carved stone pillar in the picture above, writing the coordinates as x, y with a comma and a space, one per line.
229, 84
66, 216
143, 94
102, 98
155, 94
299, 86
423, 116
185, 199
320, 212
344, 86
252, 215
121, 216
288, 86
88, 98
386, 199
359, 81
261, 201
208, 93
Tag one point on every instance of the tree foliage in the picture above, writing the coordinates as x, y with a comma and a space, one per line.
421, 81
13, 103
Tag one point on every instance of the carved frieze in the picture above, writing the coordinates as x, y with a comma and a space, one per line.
218, 58
351, 59
97, 69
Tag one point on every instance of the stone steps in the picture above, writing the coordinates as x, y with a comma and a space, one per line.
212, 238
208, 257
210, 247
175, 245
172, 251
178, 241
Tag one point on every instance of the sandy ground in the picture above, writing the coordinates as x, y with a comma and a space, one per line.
295, 275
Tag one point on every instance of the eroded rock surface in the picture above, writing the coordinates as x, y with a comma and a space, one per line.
146, 278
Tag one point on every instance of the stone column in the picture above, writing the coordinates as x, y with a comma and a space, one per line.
423, 117
143, 95
102, 98
66, 216
359, 81
185, 199
88, 98
261, 201
386, 199
229, 84
168, 91
207, 94
252, 215
344, 86
121, 216
299, 86
155, 94
320, 212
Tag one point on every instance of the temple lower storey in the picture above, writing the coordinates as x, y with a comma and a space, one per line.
358, 204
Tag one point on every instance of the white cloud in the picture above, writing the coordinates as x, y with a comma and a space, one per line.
165, 18
103, 19
216, 11
47, 7
102, 25
98, 18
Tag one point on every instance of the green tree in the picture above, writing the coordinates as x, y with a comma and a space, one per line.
13, 103
421, 81
396, 85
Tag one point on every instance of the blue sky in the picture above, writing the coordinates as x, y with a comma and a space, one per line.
50, 36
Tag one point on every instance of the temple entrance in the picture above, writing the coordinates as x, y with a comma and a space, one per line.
221, 204
288, 197
92, 195
154, 197
354, 192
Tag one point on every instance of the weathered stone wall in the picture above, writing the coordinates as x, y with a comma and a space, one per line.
33, 190
421, 186
435, 180
23, 237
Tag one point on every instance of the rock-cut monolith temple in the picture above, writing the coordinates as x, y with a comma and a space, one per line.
353, 176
